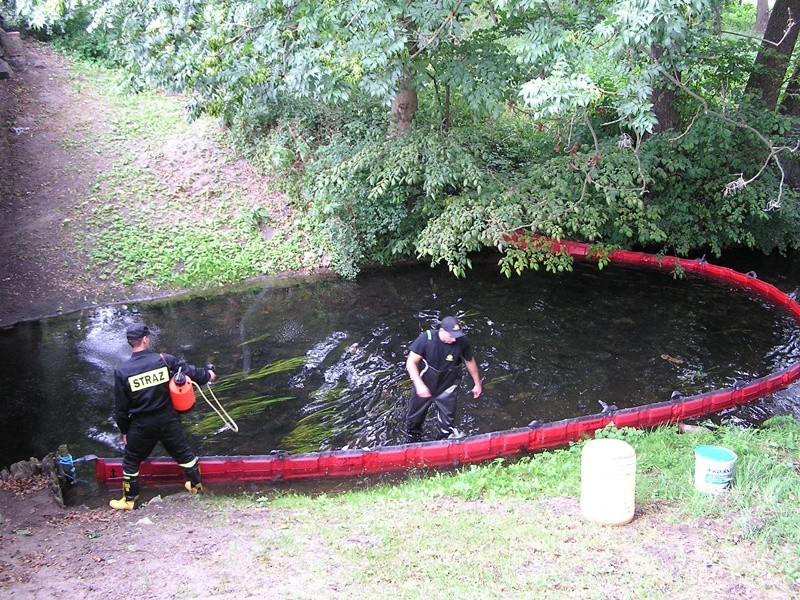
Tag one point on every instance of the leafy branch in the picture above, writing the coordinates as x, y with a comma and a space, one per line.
450, 16
773, 151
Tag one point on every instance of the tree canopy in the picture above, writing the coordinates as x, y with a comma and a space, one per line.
561, 58
436, 127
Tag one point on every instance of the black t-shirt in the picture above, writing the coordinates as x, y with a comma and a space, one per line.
441, 361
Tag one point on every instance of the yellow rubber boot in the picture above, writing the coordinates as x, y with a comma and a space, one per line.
195, 489
124, 503
130, 492
193, 475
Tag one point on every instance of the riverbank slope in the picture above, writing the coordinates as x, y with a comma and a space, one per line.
63, 146
492, 531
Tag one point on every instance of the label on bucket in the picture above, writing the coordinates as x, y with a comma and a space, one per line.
713, 468
723, 476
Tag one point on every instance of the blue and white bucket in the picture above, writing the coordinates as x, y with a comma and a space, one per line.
713, 468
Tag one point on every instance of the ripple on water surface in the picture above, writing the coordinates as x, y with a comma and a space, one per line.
320, 365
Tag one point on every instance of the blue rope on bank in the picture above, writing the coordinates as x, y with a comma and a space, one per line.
66, 467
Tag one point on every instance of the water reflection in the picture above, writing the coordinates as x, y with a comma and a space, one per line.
320, 365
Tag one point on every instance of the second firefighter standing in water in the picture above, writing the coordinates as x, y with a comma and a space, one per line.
433, 364
145, 414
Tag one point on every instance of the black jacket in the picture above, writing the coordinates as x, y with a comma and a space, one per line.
141, 384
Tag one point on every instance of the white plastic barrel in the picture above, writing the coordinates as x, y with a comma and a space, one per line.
713, 468
608, 481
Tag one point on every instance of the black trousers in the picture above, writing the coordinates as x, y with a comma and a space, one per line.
146, 431
445, 404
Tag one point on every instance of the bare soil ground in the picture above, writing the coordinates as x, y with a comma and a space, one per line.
191, 547
178, 547
185, 546
41, 274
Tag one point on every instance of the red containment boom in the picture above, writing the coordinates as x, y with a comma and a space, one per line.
448, 453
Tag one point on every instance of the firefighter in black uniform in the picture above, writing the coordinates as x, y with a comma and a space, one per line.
433, 363
145, 414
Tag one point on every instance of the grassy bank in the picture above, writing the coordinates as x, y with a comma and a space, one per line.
515, 530
209, 217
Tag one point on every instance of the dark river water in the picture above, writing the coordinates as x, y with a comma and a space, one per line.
314, 365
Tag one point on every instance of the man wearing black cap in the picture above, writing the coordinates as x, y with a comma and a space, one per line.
433, 364
145, 415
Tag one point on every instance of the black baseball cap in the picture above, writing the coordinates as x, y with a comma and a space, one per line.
452, 326
137, 331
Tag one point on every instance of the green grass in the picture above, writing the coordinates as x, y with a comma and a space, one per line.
147, 222
509, 528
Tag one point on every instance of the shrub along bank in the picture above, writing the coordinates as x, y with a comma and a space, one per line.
336, 191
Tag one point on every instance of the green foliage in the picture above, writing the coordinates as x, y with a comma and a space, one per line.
689, 182
282, 138
370, 198
90, 47
443, 197
681, 205
601, 54
721, 79
234, 57
8, 14
63, 25
305, 87
565, 59
76, 41
740, 17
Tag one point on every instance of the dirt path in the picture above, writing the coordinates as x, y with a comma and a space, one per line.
53, 140
189, 547
40, 179
178, 547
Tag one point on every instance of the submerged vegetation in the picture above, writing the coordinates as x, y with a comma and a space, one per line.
236, 408
310, 431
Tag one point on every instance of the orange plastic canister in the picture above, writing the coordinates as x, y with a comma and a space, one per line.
182, 395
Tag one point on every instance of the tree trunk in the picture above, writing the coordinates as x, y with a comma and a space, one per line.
404, 107
665, 109
766, 79
791, 170
664, 105
790, 104
762, 16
